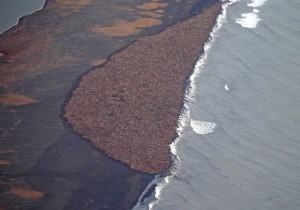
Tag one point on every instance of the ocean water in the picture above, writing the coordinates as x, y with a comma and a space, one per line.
12, 10
239, 136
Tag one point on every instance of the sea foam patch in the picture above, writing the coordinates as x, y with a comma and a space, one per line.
202, 127
226, 87
257, 3
249, 20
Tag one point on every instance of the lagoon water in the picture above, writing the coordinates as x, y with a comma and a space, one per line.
240, 139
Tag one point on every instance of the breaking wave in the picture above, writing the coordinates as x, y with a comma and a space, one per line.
202, 127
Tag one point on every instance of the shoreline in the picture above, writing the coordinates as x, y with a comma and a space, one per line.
8, 25
43, 56
102, 122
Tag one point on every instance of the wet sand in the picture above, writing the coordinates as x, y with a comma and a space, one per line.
44, 164
129, 107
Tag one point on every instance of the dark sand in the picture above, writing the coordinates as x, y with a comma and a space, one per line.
130, 106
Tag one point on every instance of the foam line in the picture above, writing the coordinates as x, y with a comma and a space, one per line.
184, 118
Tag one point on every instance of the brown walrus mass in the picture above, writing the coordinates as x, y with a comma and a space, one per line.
129, 107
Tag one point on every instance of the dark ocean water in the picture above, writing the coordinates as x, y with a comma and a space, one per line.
239, 142
12, 10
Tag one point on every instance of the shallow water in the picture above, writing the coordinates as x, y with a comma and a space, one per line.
240, 148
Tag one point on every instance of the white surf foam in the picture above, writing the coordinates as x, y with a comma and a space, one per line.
197, 70
184, 118
202, 127
249, 20
257, 3
226, 87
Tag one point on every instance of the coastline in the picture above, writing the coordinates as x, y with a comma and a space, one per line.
45, 53
130, 106
11, 13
